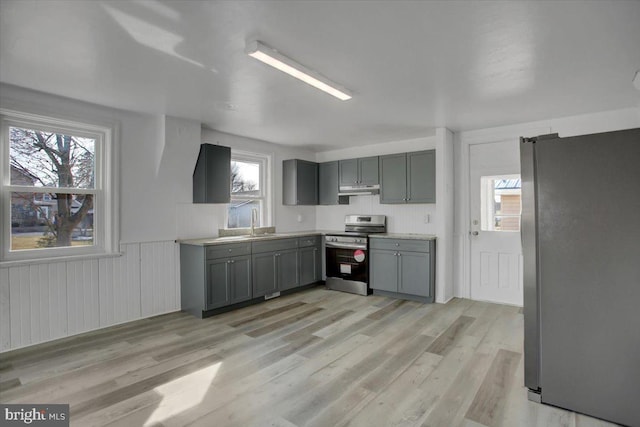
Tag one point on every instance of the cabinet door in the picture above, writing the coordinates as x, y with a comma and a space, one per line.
348, 171
414, 273
421, 177
307, 185
218, 292
383, 267
393, 178
240, 282
263, 268
212, 175
368, 170
309, 265
287, 269
328, 177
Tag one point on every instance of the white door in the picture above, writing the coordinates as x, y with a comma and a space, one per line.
496, 253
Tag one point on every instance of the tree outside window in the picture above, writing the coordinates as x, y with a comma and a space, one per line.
247, 191
55, 175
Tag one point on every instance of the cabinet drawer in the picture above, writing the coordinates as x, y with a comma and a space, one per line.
306, 241
400, 244
274, 245
224, 251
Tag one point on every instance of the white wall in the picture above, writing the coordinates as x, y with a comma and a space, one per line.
41, 301
565, 126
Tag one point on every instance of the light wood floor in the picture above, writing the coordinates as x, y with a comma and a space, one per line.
316, 358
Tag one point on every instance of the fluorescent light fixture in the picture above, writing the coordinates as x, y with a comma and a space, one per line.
272, 57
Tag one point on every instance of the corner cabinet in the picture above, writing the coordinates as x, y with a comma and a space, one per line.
212, 175
408, 177
214, 276
299, 182
329, 184
403, 268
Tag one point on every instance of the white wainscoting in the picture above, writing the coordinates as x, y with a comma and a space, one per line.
42, 302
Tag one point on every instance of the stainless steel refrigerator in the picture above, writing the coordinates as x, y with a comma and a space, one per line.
581, 248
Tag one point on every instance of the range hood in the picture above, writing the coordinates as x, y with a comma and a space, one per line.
358, 190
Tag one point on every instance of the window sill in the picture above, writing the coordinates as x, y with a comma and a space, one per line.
21, 262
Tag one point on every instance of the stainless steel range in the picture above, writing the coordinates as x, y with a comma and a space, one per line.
347, 254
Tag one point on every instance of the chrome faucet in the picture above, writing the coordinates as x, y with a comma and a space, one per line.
254, 219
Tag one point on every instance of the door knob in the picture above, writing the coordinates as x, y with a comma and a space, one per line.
475, 233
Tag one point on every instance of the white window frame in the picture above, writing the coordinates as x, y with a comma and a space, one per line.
265, 196
105, 205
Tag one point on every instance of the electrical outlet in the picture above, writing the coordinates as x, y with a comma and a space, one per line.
299, 218
427, 218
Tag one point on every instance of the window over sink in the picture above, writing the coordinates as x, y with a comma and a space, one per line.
250, 185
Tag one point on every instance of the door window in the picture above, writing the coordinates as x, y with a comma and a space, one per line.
500, 199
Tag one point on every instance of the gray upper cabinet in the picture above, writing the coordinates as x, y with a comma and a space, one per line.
408, 177
421, 177
368, 170
359, 171
212, 175
299, 182
348, 172
328, 183
393, 178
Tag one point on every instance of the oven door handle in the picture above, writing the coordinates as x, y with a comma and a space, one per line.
345, 245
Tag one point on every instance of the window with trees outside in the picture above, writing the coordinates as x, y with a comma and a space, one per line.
249, 190
56, 198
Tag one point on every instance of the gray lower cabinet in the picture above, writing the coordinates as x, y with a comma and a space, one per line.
228, 281
274, 266
214, 276
264, 273
403, 267
287, 269
310, 259
408, 177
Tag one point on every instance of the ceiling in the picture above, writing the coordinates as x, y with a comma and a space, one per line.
412, 66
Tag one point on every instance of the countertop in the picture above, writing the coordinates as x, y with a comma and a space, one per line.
242, 239
410, 236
